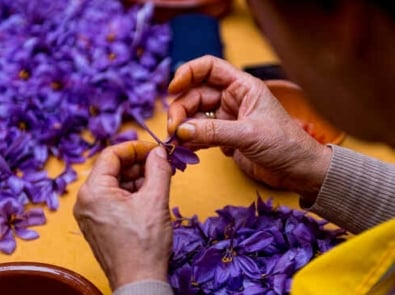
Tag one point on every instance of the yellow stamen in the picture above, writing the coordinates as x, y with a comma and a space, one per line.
19, 173
227, 259
139, 51
22, 126
112, 56
13, 218
56, 85
110, 37
24, 75
93, 111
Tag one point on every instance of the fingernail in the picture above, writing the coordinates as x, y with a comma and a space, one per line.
161, 153
186, 131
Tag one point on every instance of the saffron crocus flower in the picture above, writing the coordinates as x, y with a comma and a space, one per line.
70, 69
245, 250
42, 189
178, 156
15, 221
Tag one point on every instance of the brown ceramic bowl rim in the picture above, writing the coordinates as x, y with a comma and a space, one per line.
50, 271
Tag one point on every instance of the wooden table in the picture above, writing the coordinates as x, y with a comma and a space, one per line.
200, 190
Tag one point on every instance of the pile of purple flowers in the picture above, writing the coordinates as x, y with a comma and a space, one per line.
68, 68
245, 250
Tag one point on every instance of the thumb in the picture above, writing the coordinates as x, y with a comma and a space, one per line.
213, 132
157, 174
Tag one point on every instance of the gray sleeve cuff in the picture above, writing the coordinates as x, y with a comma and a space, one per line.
358, 192
148, 287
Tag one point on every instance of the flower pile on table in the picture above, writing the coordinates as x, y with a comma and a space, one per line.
246, 250
67, 67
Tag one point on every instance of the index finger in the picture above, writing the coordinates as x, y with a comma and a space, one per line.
111, 160
212, 70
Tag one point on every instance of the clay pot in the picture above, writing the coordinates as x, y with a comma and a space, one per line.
292, 98
166, 9
21, 278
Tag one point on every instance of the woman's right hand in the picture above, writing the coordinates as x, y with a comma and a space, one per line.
250, 125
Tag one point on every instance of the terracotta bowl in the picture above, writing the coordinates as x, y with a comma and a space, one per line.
293, 100
166, 9
21, 278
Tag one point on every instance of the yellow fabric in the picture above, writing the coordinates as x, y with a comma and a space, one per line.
365, 264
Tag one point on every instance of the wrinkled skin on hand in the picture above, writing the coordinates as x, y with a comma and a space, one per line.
122, 210
250, 125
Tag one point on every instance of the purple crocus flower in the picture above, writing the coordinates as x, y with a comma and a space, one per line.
178, 156
14, 220
42, 189
245, 250
71, 72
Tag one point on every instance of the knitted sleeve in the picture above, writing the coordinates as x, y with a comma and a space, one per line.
358, 191
148, 287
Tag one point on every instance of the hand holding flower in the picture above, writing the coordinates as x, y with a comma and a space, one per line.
250, 125
122, 210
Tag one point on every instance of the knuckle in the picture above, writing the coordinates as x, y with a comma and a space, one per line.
107, 152
84, 197
210, 131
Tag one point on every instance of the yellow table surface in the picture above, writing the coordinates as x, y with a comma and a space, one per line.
201, 189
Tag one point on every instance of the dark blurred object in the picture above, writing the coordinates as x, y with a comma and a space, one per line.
194, 35
294, 101
167, 9
267, 72
255, 7
21, 278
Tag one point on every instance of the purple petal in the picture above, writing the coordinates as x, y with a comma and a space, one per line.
248, 266
256, 242
53, 201
280, 283
5, 170
185, 155
124, 136
223, 273
7, 243
236, 283
10, 206
16, 184
26, 234
303, 234
35, 216
69, 175
303, 256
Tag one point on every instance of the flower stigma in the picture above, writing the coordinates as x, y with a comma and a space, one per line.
170, 148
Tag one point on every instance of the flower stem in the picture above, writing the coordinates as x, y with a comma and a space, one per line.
140, 120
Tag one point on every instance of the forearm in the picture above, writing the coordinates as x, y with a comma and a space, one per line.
358, 192
148, 287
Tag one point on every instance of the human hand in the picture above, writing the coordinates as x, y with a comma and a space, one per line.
123, 212
250, 125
